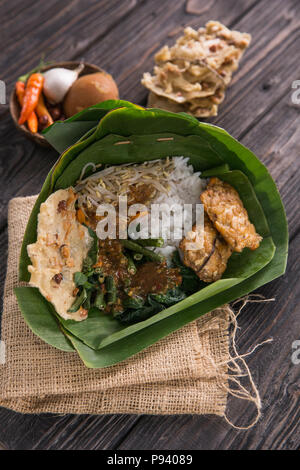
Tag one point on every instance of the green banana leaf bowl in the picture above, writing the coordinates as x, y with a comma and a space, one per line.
116, 132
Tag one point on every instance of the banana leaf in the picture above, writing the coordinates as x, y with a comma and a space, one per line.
63, 134
101, 341
240, 267
31, 303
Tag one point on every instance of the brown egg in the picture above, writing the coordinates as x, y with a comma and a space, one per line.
89, 90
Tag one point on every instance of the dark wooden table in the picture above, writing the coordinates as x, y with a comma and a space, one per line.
121, 37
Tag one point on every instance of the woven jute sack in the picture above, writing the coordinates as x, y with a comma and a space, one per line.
185, 372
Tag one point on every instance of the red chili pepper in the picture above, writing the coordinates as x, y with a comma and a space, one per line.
32, 92
20, 91
32, 121
41, 110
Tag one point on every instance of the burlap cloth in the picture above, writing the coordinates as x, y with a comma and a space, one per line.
174, 376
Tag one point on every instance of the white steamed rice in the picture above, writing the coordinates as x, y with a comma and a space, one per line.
185, 188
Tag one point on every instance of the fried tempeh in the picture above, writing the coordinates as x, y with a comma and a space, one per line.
229, 216
210, 261
217, 262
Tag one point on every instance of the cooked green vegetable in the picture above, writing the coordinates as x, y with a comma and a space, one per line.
169, 298
91, 258
80, 279
131, 266
134, 302
87, 303
110, 284
98, 271
138, 256
127, 282
135, 247
87, 267
111, 290
99, 300
132, 316
78, 301
156, 242
93, 251
138, 309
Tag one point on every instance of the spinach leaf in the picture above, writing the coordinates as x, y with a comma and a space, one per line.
135, 302
137, 315
80, 279
80, 299
92, 256
138, 309
170, 298
93, 251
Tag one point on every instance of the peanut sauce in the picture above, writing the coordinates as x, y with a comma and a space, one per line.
154, 278
150, 277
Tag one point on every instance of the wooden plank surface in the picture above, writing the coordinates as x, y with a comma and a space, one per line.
122, 37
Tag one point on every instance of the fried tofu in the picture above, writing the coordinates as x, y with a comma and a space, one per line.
229, 216
210, 261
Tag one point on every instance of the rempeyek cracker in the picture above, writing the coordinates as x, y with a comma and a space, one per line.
200, 107
182, 81
195, 71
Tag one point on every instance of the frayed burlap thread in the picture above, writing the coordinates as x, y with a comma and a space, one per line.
186, 372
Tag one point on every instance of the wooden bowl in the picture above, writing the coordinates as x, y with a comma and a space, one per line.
15, 108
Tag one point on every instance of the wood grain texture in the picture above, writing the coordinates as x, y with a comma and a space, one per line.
86, 432
2, 447
122, 37
57, 29
48, 431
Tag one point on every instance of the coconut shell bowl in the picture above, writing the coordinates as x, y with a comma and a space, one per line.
15, 107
